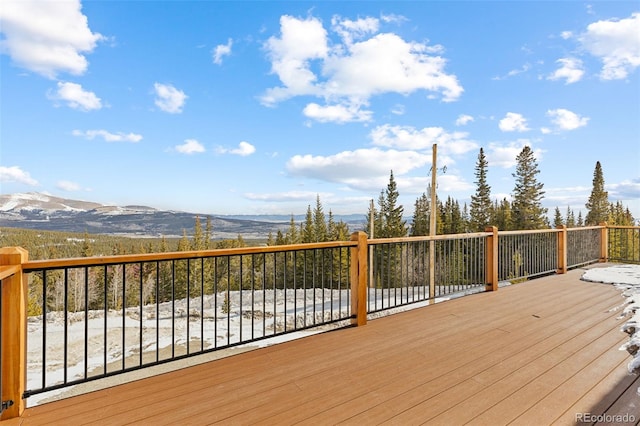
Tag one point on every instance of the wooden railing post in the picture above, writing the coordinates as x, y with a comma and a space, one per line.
14, 333
604, 242
492, 258
359, 270
562, 250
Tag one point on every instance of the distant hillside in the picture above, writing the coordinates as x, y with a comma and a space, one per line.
45, 212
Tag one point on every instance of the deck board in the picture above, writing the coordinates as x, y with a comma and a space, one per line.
533, 353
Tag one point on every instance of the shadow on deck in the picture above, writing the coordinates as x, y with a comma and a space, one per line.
541, 352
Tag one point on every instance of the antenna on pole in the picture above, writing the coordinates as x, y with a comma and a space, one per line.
434, 172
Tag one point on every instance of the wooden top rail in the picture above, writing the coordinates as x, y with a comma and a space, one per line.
178, 255
530, 231
7, 271
428, 238
585, 228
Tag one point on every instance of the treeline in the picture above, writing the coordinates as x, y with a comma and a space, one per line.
60, 245
523, 212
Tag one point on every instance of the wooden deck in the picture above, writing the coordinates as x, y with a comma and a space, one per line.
535, 353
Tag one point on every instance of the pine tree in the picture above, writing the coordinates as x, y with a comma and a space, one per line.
598, 203
528, 212
308, 228
208, 233
270, 240
480, 213
420, 221
319, 224
292, 234
198, 242
394, 225
557, 219
86, 250
502, 215
452, 219
571, 218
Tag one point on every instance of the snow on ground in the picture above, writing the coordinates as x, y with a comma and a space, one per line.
627, 279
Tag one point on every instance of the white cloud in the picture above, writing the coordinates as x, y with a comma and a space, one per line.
398, 109
244, 149
362, 168
616, 43
76, 97
354, 30
570, 70
168, 98
360, 64
627, 189
463, 120
300, 42
513, 122
222, 50
16, 174
410, 138
504, 155
566, 120
108, 136
336, 113
286, 196
526, 67
566, 35
190, 146
69, 186
47, 37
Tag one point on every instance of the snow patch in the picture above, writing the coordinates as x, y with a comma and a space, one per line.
627, 279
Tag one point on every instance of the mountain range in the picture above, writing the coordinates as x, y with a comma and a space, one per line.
36, 210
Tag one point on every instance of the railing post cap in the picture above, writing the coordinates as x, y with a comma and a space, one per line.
13, 255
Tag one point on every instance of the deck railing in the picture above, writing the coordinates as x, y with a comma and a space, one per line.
103, 316
624, 244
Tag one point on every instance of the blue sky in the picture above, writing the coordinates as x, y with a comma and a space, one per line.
257, 107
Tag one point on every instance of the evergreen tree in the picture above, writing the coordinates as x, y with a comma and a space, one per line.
557, 219
480, 213
292, 234
198, 242
598, 203
571, 218
319, 224
308, 228
452, 219
420, 221
270, 240
86, 250
208, 233
502, 216
580, 221
394, 225
528, 212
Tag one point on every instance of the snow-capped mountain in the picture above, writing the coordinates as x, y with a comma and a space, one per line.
35, 210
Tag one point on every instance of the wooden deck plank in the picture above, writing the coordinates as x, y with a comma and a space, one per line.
535, 350
602, 395
434, 398
300, 356
550, 408
457, 366
373, 373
